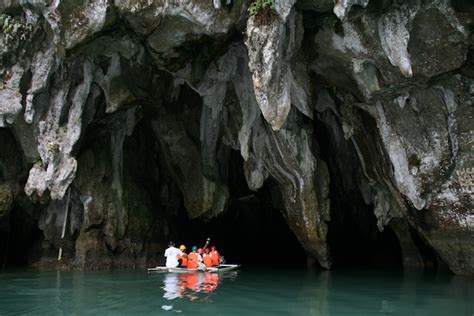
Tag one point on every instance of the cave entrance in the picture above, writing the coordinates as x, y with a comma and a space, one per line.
252, 231
18, 237
18, 215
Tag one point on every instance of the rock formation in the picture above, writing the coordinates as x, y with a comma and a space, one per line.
124, 112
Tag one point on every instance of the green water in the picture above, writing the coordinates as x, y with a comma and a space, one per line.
246, 292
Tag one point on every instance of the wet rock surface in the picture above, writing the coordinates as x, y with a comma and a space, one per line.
125, 115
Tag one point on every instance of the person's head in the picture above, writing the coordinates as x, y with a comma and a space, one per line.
200, 251
206, 250
171, 244
213, 248
194, 248
182, 247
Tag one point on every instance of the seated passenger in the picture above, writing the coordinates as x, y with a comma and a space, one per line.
194, 258
207, 258
171, 255
183, 258
216, 257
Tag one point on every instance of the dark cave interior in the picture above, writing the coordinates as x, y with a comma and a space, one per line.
253, 230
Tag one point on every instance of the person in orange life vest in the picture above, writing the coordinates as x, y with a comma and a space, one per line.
183, 257
216, 257
207, 258
194, 258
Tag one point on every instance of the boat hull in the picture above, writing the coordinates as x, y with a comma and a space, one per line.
220, 268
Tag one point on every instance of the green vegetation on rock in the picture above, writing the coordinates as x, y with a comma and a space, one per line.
259, 5
13, 29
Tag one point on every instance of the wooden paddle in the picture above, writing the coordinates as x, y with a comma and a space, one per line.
201, 265
207, 243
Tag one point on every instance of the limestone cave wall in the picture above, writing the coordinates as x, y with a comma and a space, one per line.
118, 116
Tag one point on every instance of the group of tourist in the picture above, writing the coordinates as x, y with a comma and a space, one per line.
198, 258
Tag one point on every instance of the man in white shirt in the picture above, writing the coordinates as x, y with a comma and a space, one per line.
171, 255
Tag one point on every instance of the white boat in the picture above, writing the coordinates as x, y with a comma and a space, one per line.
219, 268
224, 267
158, 269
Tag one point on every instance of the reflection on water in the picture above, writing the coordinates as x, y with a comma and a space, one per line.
251, 292
187, 285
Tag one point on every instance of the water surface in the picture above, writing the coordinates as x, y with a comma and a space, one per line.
246, 292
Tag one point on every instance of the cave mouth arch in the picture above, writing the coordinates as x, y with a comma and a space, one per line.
252, 231
250, 238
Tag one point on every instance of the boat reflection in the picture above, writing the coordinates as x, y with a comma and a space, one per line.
188, 285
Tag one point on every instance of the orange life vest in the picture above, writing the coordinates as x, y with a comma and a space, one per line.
207, 259
184, 258
216, 258
193, 259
